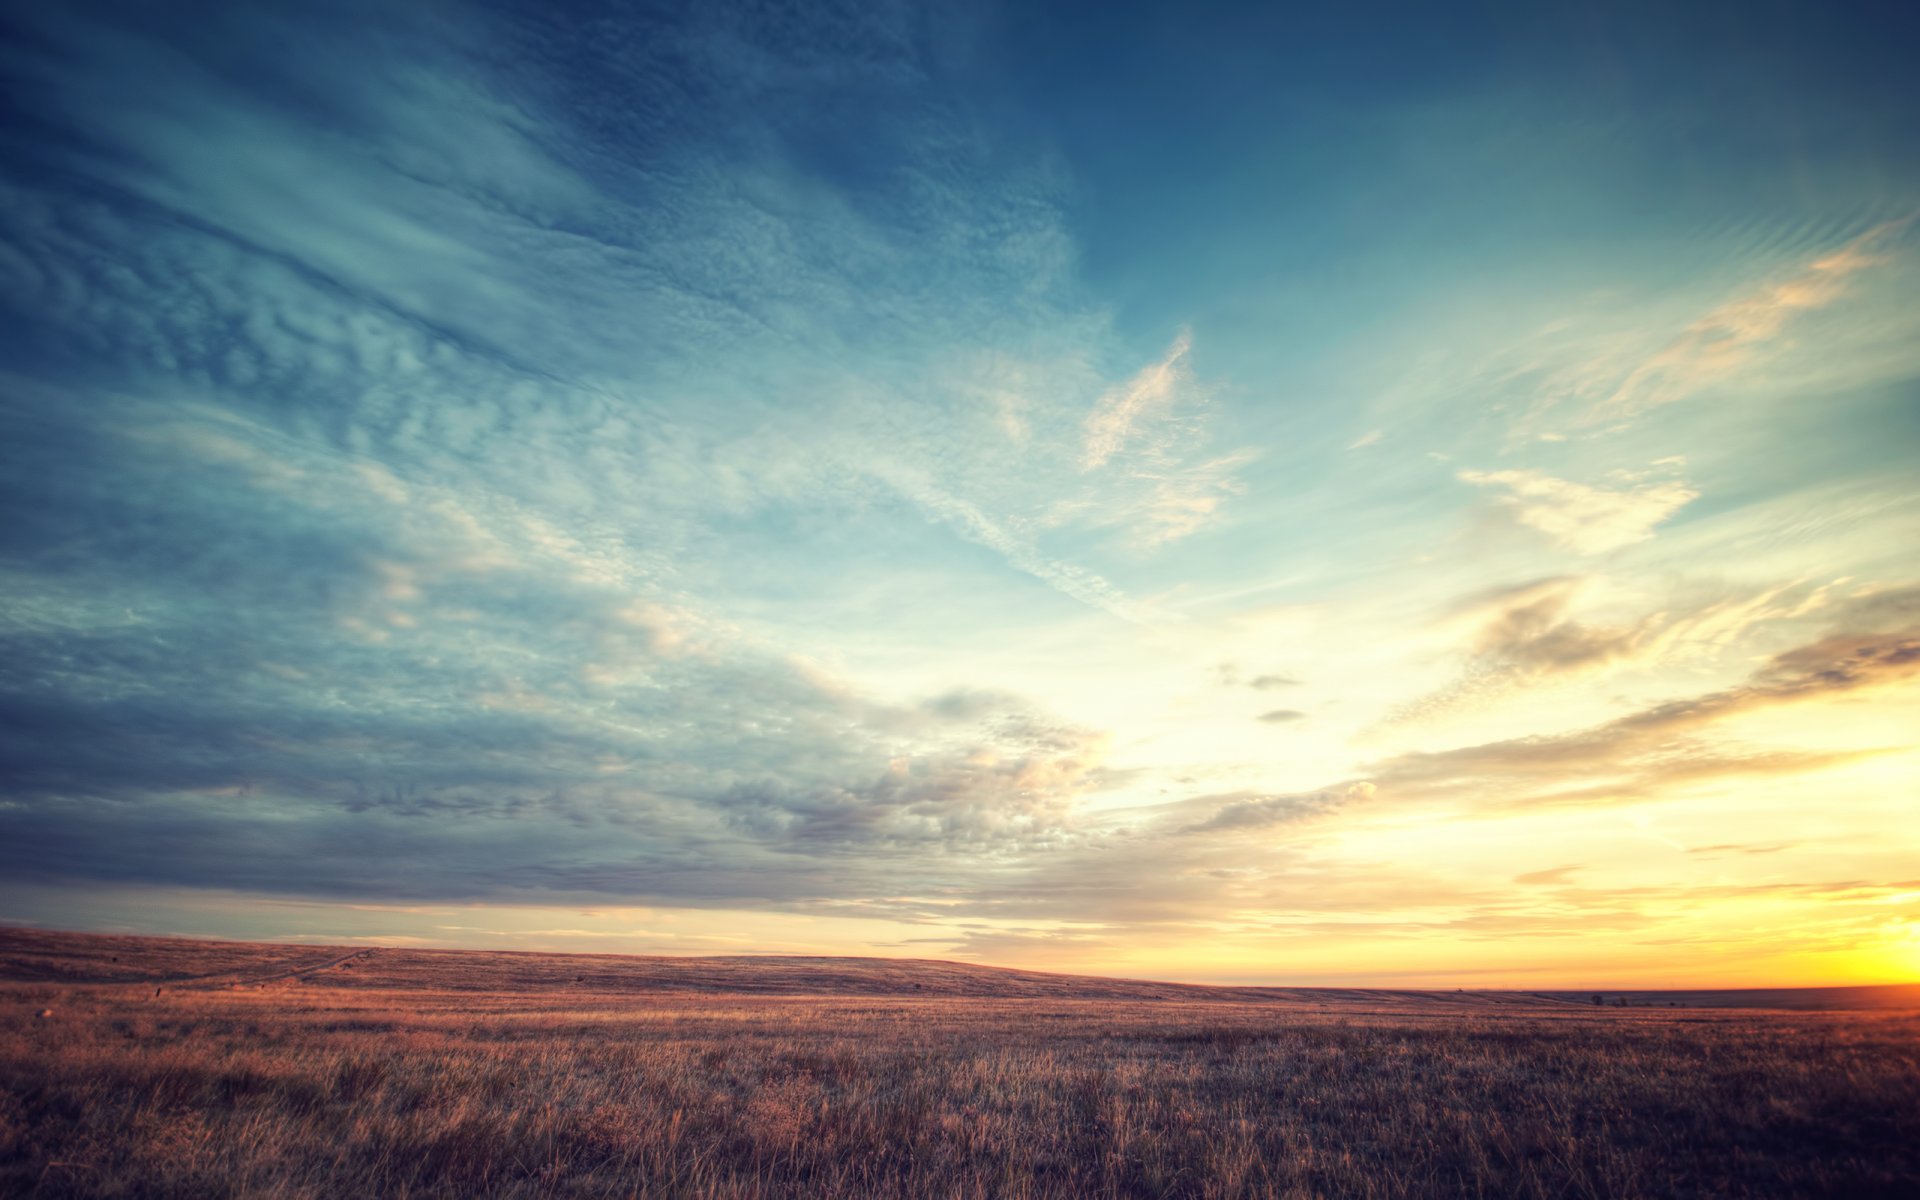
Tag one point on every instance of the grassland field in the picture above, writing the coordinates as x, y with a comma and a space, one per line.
148, 1067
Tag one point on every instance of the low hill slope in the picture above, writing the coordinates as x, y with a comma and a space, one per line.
36, 956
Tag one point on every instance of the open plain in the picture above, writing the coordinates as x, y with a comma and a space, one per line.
160, 1067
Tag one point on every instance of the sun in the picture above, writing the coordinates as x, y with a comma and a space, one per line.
1897, 958
1906, 955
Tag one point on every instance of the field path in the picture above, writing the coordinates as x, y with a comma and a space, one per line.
303, 972
220, 979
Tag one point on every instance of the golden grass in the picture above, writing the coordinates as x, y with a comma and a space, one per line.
411, 1074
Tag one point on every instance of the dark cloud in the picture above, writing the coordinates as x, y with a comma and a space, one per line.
1281, 716
1517, 634
366, 426
1841, 662
1230, 675
965, 705
1008, 798
1526, 630
1882, 610
1633, 756
1247, 810
211, 684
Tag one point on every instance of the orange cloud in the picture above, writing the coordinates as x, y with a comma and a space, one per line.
1729, 337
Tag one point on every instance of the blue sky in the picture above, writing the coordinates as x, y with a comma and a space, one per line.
1239, 494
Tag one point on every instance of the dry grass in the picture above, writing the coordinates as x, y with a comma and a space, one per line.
413, 1074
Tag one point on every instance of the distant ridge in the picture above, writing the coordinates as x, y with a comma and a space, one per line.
116, 960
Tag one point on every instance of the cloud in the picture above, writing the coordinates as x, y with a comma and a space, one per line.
1013, 792
1229, 675
971, 523
660, 783
1162, 485
402, 443
1580, 517
1245, 811
1515, 635
1526, 630
1126, 412
467, 317
1800, 323
1840, 662
1521, 635
1731, 337
1721, 848
1636, 755
1552, 875
1182, 500
1281, 716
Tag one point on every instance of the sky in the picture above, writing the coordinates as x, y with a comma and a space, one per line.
1361, 495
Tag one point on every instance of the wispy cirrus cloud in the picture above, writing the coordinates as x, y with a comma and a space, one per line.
1140, 408
1785, 312
1172, 501
1734, 336
976, 526
1780, 334
1147, 432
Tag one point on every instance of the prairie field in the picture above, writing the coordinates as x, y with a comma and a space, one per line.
156, 1067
